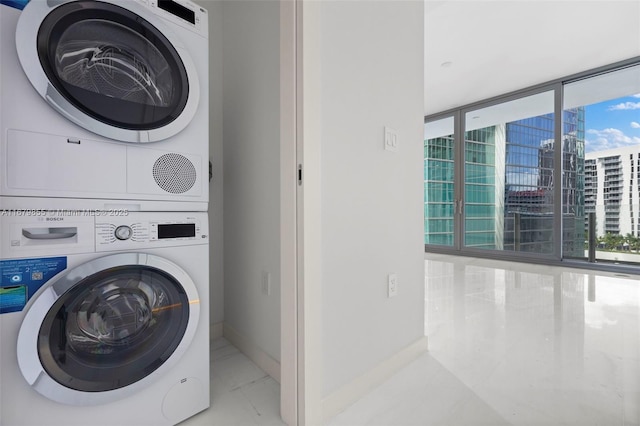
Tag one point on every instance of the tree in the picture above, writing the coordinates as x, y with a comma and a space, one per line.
612, 241
634, 243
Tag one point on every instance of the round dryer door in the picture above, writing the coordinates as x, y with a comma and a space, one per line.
106, 326
107, 68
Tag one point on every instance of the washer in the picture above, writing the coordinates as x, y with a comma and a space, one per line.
104, 319
88, 85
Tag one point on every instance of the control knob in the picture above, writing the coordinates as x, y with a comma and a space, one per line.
123, 232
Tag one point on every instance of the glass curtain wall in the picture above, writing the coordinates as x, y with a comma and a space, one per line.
503, 184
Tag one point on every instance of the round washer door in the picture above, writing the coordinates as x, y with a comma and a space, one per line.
112, 68
107, 328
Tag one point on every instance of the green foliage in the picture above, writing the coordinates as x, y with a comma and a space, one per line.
617, 242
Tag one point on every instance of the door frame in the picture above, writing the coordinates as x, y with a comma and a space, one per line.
300, 198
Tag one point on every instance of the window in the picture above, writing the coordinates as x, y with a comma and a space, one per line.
523, 176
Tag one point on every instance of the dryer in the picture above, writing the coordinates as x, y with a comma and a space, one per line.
104, 100
103, 319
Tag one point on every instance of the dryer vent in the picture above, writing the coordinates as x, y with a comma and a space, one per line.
174, 173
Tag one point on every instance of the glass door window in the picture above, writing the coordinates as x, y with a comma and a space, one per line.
509, 159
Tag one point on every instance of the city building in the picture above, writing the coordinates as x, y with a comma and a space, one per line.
612, 191
508, 186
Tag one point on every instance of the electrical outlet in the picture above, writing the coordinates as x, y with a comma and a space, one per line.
390, 139
266, 283
392, 283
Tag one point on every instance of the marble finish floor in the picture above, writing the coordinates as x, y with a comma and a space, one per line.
509, 344
517, 344
241, 393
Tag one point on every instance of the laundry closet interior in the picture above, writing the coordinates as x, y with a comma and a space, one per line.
140, 199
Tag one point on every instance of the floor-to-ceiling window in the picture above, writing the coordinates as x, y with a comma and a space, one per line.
508, 175
610, 128
528, 174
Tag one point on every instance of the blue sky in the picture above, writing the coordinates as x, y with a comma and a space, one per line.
613, 124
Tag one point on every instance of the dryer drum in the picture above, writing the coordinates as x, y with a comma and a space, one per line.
112, 65
112, 69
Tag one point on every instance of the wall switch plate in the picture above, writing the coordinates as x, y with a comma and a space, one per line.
392, 287
390, 139
266, 283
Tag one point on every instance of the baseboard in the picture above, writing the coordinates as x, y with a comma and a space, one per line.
336, 402
253, 352
215, 330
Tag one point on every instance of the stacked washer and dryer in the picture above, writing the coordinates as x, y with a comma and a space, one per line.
104, 243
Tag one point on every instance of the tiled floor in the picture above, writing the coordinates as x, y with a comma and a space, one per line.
241, 393
509, 344
517, 344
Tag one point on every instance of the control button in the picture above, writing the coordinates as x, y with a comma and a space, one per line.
123, 232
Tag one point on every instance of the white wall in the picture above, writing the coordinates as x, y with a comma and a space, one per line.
251, 120
371, 65
371, 212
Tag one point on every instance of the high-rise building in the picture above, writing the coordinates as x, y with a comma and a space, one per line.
573, 177
612, 191
484, 187
508, 186
438, 191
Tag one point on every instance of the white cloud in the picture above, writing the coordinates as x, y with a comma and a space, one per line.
522, 181
637, 96
625, 106
608, 139
635, 125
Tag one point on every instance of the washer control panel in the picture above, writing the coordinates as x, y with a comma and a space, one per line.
123, 233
